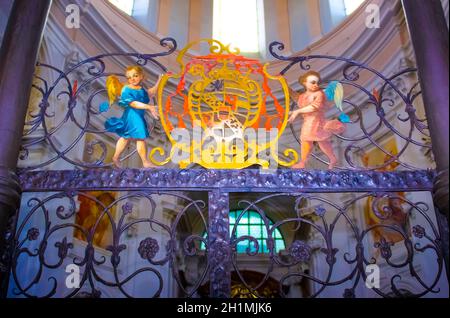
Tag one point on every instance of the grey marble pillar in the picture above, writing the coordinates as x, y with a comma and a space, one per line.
18, 55
429, 35
219, 250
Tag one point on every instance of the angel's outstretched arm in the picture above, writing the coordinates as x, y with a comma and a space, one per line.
152, 90
139, 105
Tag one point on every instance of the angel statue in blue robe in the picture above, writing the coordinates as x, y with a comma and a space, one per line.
135, 101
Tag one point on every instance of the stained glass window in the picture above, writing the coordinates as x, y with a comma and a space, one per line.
252, 224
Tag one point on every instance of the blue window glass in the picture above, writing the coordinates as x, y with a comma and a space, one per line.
252, 224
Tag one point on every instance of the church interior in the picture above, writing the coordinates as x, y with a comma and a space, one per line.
224, 148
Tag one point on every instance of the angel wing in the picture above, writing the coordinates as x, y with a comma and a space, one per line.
335, 92
104, 107
113, 87
294, 95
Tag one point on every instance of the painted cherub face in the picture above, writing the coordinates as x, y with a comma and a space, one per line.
134, 78
312, 83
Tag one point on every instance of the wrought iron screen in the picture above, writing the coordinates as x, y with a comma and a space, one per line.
139, 232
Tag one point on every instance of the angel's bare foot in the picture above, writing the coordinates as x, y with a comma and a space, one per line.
116, 162
148, 164
299, 165
331, 165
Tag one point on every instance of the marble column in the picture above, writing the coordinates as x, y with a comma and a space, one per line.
179, 22
162, 29
17, 62
219, 249
429, 35
276, 26
200, 24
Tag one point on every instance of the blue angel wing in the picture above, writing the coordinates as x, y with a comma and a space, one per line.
344, 118
329, 91
104, 107
335, 92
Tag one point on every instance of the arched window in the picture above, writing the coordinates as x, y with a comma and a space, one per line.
235, 22
124, 5
351, 5
252, 224
333, 12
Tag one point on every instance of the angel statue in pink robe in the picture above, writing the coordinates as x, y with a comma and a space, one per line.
312, 106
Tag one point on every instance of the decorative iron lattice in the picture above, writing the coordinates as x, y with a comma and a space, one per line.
380, 100
38, 245
321, 216
54, 212
89, 74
